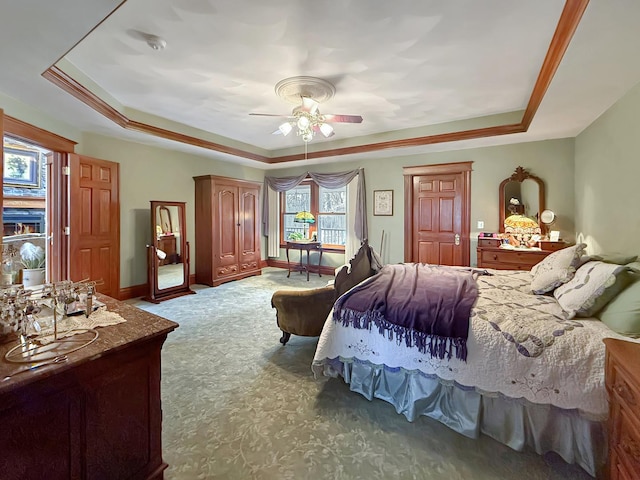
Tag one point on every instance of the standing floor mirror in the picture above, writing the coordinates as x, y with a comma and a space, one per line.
168, 254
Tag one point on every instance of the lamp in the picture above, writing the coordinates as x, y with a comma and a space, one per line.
304, 217
521, 227
306, 124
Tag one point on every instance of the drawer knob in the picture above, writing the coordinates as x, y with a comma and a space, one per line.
495, 257
623, 390
631, 448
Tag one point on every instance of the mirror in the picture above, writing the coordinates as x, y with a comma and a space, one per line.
522, 193
168, 255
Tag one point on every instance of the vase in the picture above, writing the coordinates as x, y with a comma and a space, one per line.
33, 276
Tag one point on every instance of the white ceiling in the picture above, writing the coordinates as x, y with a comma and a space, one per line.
406, 64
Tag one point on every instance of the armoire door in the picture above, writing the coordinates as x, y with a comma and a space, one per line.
94, 223
436, 214
226, 229
249, 239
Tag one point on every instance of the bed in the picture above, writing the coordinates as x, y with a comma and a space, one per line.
532, 378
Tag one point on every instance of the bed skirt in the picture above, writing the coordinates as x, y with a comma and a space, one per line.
517, 423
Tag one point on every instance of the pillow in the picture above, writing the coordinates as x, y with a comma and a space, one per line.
622, 314
635, 266
617, 258
556, 269
592, 287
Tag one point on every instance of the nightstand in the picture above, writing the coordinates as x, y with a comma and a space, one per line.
622, 377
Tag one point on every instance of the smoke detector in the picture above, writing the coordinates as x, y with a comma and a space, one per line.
155, 42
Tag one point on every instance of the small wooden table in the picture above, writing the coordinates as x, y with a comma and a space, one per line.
308, 246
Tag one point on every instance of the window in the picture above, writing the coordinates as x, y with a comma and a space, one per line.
328, 206
295, 200
331, 217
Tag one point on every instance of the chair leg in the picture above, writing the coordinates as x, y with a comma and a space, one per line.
285, 338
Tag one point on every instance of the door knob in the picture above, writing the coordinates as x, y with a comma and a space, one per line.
457, 239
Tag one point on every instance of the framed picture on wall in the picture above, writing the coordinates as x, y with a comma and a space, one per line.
21, 167
383, 202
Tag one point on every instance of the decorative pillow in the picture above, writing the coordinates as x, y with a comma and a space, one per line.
634, 266
622, 314
556, 269
592, 287
617, 258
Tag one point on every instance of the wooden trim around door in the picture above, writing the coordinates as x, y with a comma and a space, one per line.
442, 168
27, 132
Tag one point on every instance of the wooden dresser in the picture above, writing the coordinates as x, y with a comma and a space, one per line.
622, 376
97, 416
490, 255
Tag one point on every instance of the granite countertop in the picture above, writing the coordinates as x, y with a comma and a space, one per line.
139, 326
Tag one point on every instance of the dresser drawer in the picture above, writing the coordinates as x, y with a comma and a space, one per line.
627, 445
622, 378
552, 246
622, 388
489, 242
526, 259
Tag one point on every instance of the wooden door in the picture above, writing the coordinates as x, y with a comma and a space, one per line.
57, 217
94, 223
437, 214
226, 229
249, 239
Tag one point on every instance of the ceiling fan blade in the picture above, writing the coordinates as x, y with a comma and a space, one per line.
270, 115
342, 118
309, 105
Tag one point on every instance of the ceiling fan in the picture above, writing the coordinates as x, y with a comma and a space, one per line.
306, 118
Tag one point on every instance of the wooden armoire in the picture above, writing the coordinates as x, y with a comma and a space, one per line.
227, 229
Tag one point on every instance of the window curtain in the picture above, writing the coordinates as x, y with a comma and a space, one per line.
273, 242
271, 229
352, 244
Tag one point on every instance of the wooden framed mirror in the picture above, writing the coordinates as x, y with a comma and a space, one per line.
527, 189
168, 254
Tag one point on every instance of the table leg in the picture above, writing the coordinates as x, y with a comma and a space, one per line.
320, 263
288, 264
307, 264
300, 266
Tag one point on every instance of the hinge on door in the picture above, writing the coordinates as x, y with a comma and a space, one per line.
66, 171
67, 231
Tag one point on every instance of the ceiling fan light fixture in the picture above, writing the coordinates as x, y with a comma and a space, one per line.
303, 122
285, 128
326, 129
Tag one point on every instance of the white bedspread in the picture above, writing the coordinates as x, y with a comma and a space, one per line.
520, 345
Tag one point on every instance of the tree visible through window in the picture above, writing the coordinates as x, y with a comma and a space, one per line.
328, 206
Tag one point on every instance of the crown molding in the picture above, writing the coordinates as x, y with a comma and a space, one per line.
566, 27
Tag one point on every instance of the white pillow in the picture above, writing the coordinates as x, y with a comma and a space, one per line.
594, 285
556, 269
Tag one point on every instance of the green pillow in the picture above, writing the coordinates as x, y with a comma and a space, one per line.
617, 258
635, 266
622, 314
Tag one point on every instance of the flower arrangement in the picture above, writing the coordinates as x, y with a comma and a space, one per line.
295, 236
32, 256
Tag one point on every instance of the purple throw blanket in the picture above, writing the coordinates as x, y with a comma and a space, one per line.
426, 305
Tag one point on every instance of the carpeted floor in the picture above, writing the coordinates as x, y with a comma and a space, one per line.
239, 405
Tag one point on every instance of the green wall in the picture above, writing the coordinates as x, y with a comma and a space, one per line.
150, 173
551, 160
607, 179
